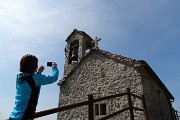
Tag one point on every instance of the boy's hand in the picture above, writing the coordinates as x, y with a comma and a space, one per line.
41, 69
54, 64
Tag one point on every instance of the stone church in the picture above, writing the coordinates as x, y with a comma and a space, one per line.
90, 70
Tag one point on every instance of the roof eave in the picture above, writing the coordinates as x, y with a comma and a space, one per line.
149, 69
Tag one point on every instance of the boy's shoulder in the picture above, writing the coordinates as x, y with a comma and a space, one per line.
20, 76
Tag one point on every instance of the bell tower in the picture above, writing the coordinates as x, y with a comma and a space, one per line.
78, 44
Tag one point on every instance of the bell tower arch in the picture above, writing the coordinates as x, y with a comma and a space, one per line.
78, 43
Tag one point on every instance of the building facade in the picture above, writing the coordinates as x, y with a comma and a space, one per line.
89, 70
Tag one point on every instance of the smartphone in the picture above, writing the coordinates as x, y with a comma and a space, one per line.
49, 64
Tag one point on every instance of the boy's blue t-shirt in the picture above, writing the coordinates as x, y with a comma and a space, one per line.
23, 91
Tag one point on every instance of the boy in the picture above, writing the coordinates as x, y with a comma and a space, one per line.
28, 84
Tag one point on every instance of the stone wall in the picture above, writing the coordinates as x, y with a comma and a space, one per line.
101, 76
68, 68
156, 99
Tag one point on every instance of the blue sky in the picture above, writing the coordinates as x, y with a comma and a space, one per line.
139, 29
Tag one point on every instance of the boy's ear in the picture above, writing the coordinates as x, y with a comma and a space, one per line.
36, 69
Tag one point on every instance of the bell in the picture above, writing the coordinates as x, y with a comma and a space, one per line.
74, 56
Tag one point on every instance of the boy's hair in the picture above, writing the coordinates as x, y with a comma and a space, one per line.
28, 63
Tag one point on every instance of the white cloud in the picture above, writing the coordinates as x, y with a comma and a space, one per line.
33, 26
24, 19
26, 28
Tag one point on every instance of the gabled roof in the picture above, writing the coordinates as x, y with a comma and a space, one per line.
119, 58
77, 31
139, 64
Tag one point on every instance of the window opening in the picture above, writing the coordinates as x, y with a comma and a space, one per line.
100, 109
